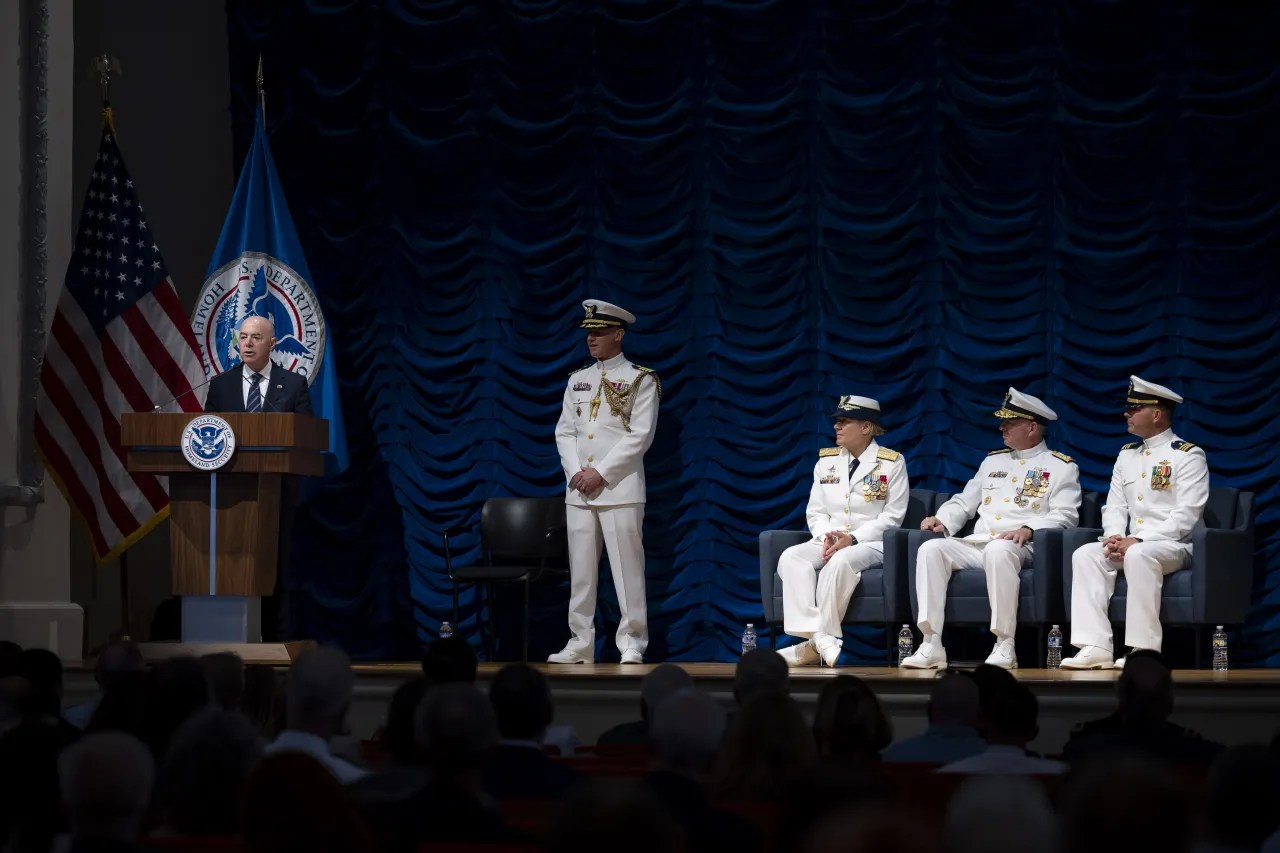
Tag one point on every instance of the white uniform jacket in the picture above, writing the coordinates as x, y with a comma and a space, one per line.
1033, 488
864, 501
608, 428
1158, 489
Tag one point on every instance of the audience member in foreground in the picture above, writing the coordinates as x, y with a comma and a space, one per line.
1000, 812
106, 779
404, 773
263, 700
293, 805
1141, 723
176, 691
457, 733
226, 679
1125, 804
954, 715
768, 749
43, 671
874, 829
614, 815
319, 687
519, 769
1009, 725
449, 661
1243, 808
688, 728
661, 682
206, 772
849, 724
760, 671
30, 805
115, 661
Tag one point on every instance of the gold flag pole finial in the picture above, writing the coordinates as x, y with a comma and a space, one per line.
262, 92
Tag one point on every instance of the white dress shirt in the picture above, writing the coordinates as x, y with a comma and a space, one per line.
246, 382
1007, 760
309, 744
1016, 488
1158, 490
864, 501
590, 436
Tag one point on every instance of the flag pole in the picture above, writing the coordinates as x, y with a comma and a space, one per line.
262, 92
103, 66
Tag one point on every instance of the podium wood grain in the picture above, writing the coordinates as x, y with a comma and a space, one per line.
268, 447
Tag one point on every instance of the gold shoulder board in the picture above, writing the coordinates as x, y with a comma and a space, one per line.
584, 367
1184, 446
829, 451
643, 371
1064, 457
1001, 450
886, 453
1131, 445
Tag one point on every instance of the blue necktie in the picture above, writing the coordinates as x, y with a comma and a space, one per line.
255, 394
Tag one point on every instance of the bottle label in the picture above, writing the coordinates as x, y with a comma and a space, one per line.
1219, 642
1055, 642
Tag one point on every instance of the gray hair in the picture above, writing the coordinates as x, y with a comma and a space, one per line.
206, 768
319, 685
1006, 813
106, 780
662, 681
687, 730
455, 729
760, 671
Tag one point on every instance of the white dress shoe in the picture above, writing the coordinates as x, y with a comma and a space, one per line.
569, 656
1119, 664
928, 656
801, 654
632, 656
1003, 655
1089, 657
827, 646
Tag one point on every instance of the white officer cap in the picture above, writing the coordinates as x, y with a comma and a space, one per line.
858, 409
605, 315
1144, 393
1019, 405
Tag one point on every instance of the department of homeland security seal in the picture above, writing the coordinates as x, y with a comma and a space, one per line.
257, 285
208, 443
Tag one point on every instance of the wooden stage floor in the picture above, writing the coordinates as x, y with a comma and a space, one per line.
723, 672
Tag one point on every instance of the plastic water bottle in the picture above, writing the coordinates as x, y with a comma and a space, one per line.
906, 644
749, 639
1219, 650
446, 630
1054, 656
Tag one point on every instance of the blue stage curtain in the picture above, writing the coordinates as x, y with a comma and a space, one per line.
922, 202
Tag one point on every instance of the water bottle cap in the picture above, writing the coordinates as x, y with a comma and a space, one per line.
1219, 628
749, 625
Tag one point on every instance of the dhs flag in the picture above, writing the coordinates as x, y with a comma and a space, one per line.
258, 271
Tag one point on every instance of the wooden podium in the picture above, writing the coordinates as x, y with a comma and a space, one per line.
225, 524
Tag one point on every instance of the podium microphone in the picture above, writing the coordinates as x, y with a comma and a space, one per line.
156, 409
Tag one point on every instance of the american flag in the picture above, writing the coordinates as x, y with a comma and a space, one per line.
119, 343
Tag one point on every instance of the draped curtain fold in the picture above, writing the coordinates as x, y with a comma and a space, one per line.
918, 201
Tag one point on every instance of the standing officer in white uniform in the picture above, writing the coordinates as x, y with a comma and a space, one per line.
1159, 487
1017, 491
859, 490
607, 423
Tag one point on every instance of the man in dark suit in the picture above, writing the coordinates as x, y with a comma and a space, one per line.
519, 769
258, 385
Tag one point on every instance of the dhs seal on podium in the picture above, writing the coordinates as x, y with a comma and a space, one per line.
208, 443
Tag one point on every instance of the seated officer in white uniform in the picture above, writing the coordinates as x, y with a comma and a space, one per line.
1159, 487
859, 490
1017, 491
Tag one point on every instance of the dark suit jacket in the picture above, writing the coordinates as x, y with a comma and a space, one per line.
635, 733
286, 392
525, 773
706, 827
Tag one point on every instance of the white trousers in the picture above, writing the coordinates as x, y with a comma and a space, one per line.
1093, 581
999, 558
617, 528
814, 596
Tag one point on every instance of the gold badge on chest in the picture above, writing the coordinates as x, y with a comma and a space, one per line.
1162, 475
